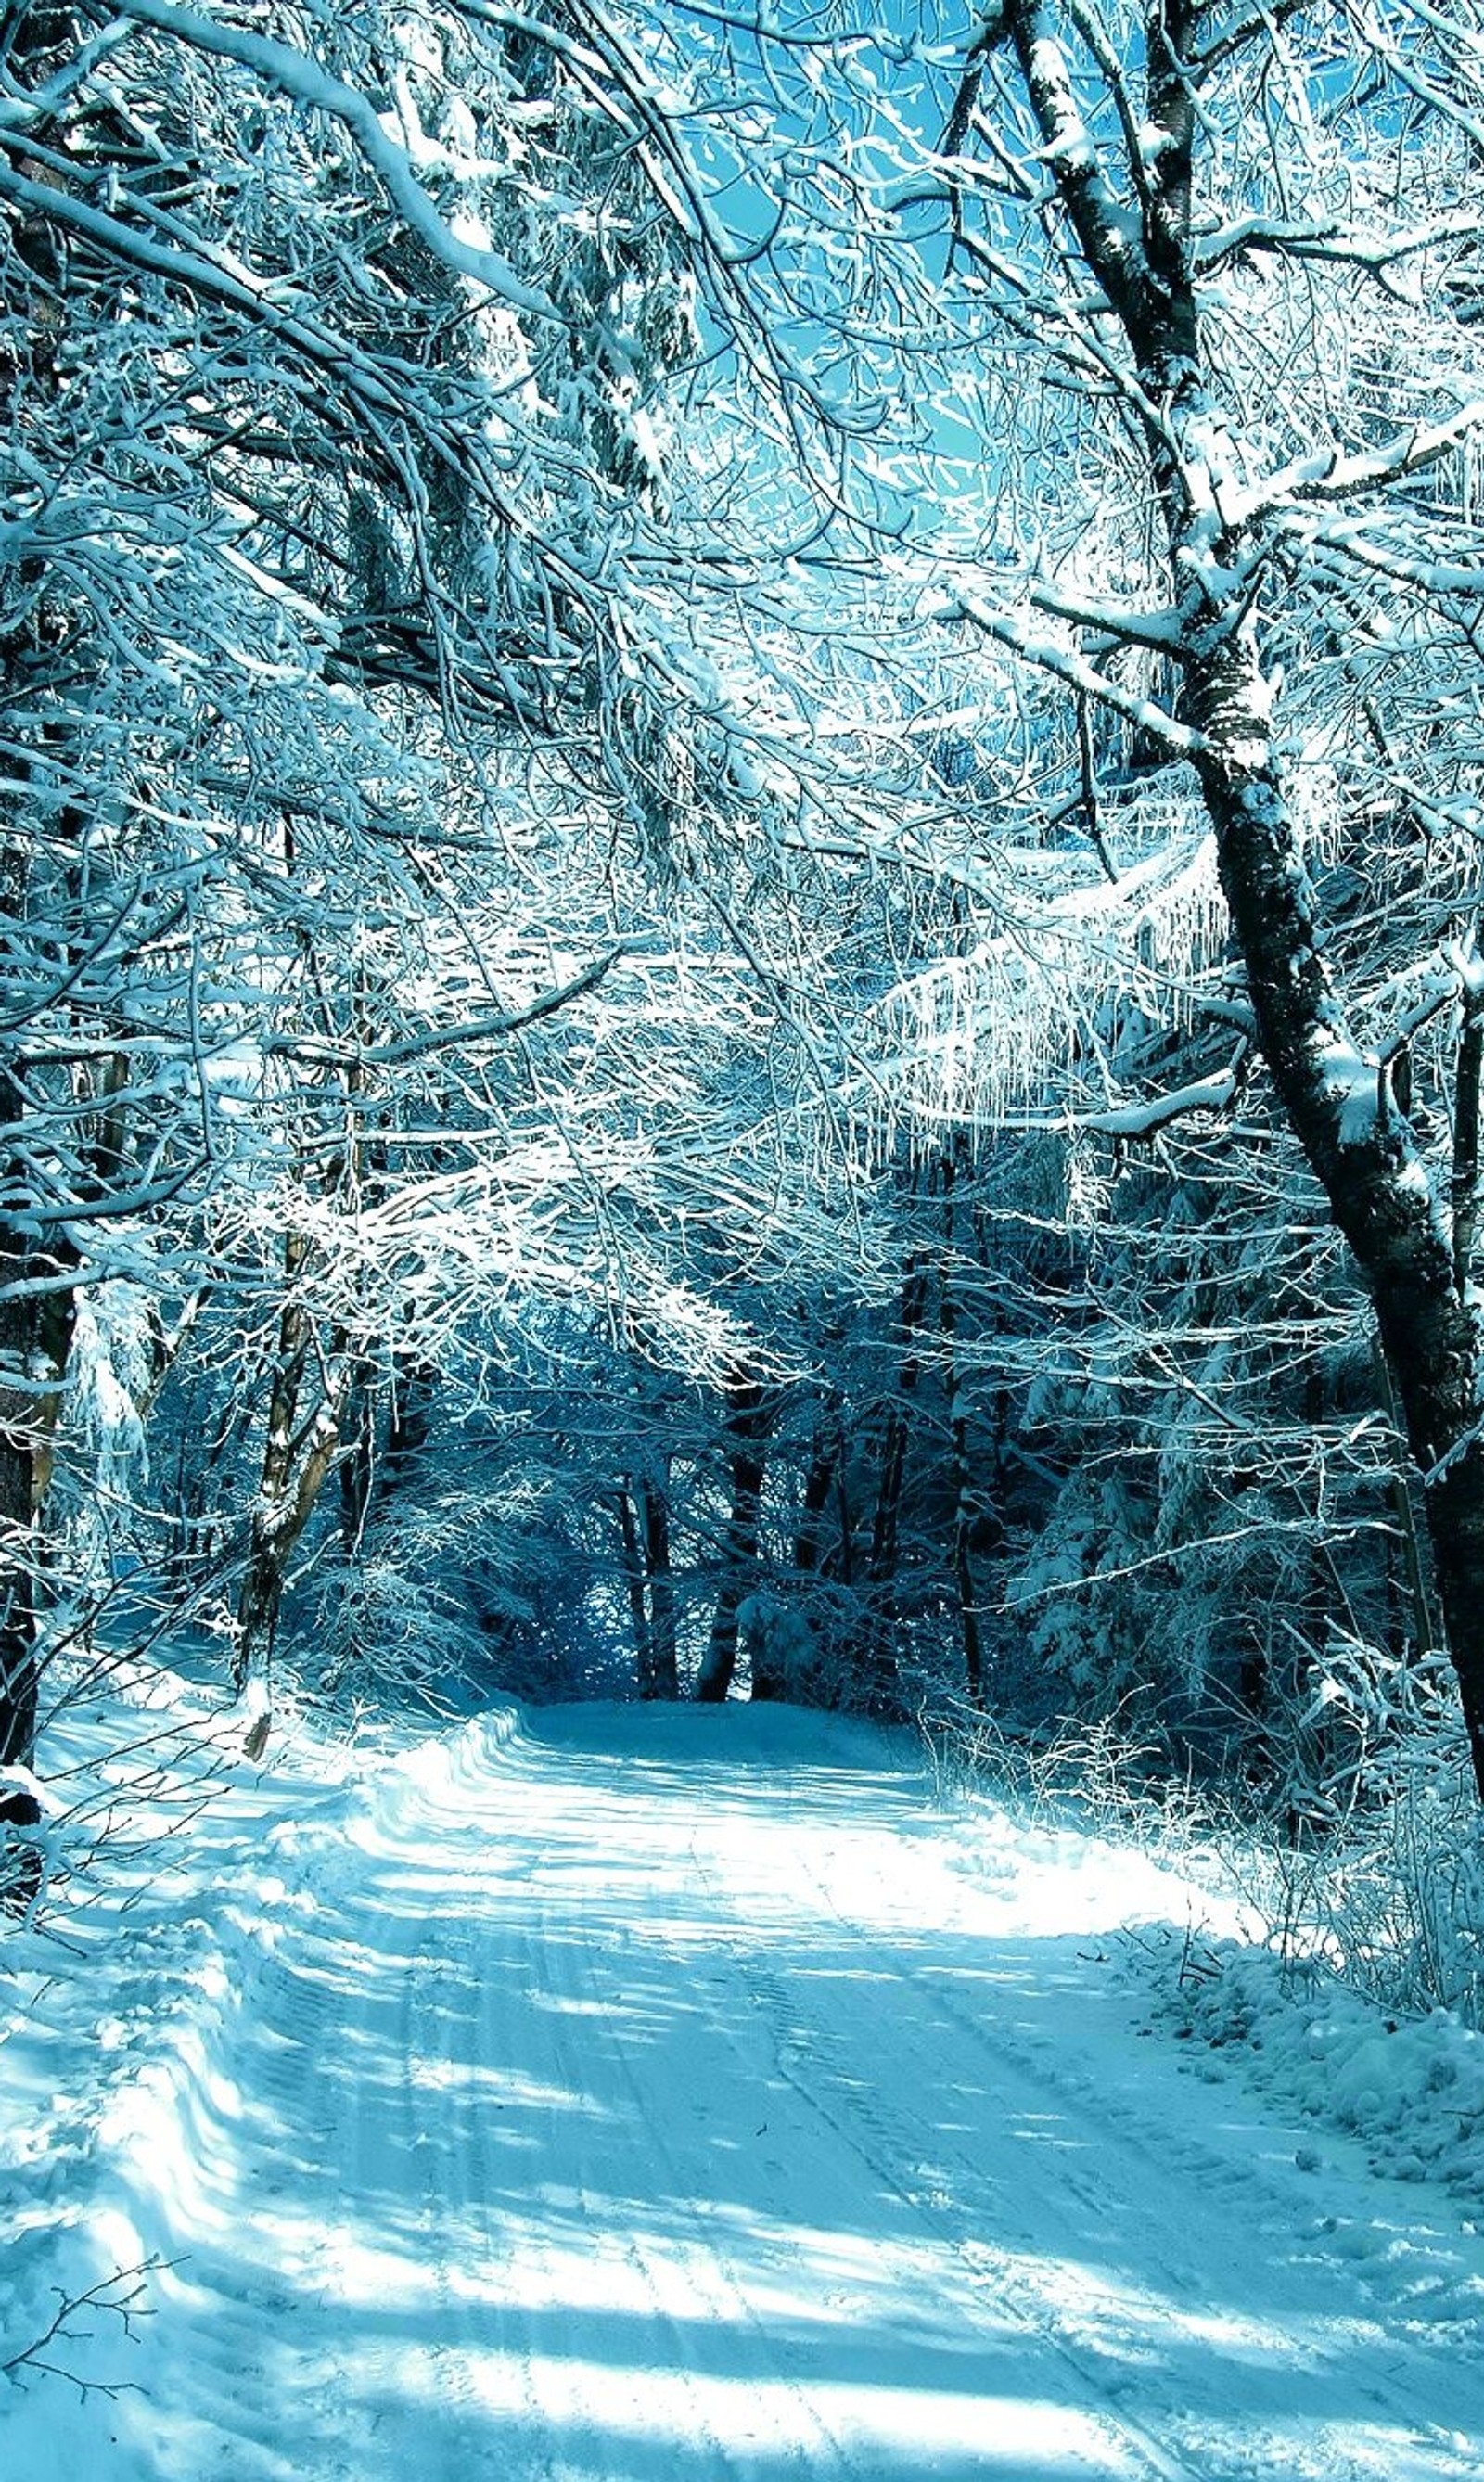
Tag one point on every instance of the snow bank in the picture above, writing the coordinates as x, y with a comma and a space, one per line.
1411, 2091
174, 1869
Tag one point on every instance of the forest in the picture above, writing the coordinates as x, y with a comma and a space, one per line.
742, 863
741, 860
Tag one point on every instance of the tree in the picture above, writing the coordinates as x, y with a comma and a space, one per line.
1214, 271
292, 580
1239, 518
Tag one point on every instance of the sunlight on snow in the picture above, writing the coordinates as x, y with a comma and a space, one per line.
734, 2141
501, 2087
896, 2428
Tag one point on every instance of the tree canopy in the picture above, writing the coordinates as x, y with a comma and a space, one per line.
741, 852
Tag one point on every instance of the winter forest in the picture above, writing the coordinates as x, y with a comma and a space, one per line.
741, 1220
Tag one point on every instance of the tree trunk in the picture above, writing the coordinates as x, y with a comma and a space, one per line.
633, 1583
1424, 1628
413, 1386
1340, 1105
749, 1419
295, 1464
877, 1642
1361, 1148
38, 1316
819, 1483
38, 1302
357, 1459
958, 1432
664, 1648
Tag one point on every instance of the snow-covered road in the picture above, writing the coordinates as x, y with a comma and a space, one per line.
656, 2096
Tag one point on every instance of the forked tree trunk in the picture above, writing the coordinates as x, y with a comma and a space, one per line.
298, 1457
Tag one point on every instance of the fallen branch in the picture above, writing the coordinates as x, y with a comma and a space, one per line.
107, 2294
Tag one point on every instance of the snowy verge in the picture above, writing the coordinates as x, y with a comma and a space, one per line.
173, 1868
1411, 2090
1204, 1930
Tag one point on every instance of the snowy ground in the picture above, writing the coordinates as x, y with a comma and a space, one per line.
647, 2096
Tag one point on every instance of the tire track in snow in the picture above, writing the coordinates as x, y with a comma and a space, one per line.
891, 2151
1164, 2182
626, 2126
726, 2294
571, 1977
820, 2071
584, 2057
704, 2269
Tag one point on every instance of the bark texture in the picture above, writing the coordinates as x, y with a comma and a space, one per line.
298, 1457
1356, 1140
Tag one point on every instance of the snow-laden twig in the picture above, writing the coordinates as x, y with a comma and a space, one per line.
296, 75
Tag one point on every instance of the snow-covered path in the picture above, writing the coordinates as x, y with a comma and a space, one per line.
655, 2098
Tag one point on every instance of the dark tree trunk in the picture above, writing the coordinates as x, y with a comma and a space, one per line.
414, 1387
876, 1650
38, 1315
19, 1497
1340, 1107
296, 1463
38, 1302
749, 1415
18, 1678
846, 1519
633, 1587
664, 1647
650, 1587
1362, 1149
357, 1460
1466, 1130
819, 1483
769, 1680
1421, 1620
958, 1431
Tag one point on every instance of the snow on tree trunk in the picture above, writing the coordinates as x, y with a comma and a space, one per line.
1357, 1141
664, 1655
295, 1464
1338, 1103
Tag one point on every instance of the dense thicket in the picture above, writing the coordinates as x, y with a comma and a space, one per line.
740, 854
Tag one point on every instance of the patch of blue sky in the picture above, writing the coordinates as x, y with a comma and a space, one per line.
815, 134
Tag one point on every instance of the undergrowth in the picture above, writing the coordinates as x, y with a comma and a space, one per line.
1358, 1851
